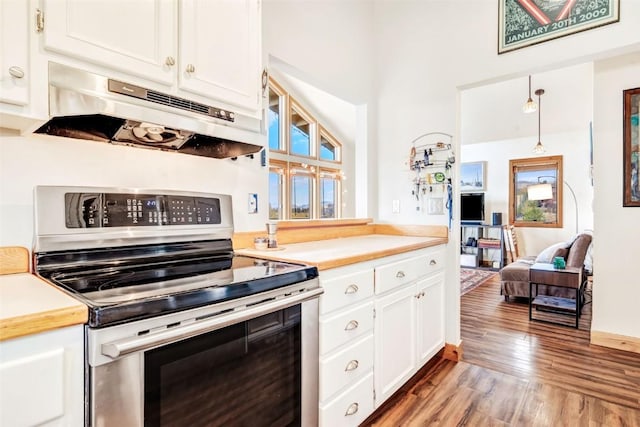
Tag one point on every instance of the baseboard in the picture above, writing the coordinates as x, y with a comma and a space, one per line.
620, 342
452, 352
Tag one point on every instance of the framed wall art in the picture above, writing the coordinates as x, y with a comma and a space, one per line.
631, 166
472, 176
523, 23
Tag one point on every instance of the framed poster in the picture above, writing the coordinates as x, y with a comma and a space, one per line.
472, 176
526, 22
631, 166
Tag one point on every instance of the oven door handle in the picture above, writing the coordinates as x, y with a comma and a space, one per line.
126, 346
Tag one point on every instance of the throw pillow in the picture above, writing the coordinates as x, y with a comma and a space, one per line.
588, 259
547, 254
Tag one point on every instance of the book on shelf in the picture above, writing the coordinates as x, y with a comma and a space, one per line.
488, 243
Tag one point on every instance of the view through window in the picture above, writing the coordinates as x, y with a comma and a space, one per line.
305, 164
535, 192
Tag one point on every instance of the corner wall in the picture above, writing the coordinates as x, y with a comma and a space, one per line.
616, 288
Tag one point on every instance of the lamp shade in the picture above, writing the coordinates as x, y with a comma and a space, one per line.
539, 192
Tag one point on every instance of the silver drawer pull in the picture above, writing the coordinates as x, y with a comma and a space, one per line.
351, 366
433, 262
400, 274
16, 72
352, 409
351, 289
351, 325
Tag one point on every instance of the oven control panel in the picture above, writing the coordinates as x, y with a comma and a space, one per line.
96, 210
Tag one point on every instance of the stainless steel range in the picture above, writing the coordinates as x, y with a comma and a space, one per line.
181, 331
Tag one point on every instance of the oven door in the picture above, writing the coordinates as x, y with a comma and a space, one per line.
261, 370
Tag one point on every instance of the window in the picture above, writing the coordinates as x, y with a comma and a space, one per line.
301, 131
276, 107
329, 192
535, 192
277, 179
329, 146
305, 162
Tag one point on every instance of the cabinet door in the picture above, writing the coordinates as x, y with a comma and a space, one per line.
220, 51
14, 60
134, 36
395, 339
42, 379
430, 312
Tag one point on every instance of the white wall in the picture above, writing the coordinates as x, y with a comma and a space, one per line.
330, 44
616, 288
46, 160
574, 147
429, 50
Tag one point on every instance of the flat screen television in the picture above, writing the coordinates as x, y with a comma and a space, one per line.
472, 208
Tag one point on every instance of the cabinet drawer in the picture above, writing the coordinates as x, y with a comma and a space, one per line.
351, 407
390, 276
345, 326
345, 290
345, 367
435, 261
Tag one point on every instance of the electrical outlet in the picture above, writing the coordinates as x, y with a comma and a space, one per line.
253, 203
396, 206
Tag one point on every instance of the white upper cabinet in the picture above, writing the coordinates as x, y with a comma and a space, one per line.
14, 53
137, 37
207, 48
220, 50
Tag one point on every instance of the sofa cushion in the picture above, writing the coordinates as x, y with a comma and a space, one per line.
578, 251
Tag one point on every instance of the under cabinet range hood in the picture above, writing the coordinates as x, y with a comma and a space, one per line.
88, 106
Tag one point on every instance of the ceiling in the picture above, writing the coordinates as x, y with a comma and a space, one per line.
494, 112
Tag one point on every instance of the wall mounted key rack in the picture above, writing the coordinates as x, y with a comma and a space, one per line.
431, 158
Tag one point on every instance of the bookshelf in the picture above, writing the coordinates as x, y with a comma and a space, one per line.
482, 246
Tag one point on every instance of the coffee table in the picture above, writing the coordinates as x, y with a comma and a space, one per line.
546, 274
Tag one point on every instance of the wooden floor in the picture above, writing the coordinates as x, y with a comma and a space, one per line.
520, 373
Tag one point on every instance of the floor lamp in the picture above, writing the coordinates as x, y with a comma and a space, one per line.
543, 191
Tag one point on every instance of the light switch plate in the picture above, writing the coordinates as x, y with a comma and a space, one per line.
395, 206
253, 203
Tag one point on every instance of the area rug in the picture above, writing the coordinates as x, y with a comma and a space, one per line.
471, 278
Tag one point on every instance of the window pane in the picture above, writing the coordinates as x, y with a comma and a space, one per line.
300, 134
275, 195
328, 200
300, 197
274, 121
327, 149
544, 211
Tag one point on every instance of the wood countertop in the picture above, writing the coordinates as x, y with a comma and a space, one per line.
29, 305
332, 253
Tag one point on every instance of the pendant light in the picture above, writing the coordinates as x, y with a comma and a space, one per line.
539, 148
529, 106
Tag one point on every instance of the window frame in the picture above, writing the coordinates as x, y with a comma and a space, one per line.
304, 169
291, 163
313, 130
275, 166
530, 165
337, 176
283, 110
323, 132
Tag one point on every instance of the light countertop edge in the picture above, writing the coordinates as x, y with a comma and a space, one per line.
29, 305
301, 254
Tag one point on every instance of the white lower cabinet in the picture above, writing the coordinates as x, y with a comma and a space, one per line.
409, 330
350, 407
395, 335
380, 321
430, 317
42, 379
